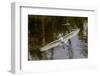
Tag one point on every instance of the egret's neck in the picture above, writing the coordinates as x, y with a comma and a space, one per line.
61, 39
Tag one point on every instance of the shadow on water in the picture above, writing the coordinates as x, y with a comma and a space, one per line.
70, 50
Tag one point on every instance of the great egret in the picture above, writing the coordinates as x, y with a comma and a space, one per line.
61, 41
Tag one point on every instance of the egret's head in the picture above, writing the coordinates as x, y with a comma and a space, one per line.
60, 37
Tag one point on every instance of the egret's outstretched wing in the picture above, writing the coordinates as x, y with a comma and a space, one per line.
50, 45
59, 42
72, 34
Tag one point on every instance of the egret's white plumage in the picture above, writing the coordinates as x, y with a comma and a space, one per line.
61, 41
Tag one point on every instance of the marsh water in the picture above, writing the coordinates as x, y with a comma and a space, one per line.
76, 47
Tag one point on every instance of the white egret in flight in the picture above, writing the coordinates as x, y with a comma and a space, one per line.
61, 41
